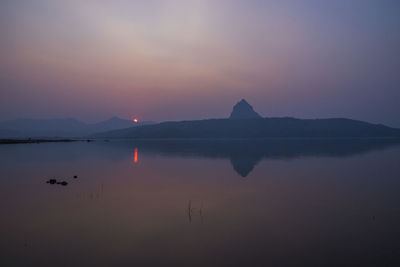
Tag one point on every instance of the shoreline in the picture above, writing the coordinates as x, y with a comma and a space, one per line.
38, 141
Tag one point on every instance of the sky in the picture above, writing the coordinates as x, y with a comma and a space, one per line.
194, 59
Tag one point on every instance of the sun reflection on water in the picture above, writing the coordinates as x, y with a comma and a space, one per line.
135, 155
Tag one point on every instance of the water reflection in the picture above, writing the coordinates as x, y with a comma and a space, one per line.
304, 203
245, 154
244, 165
135, 155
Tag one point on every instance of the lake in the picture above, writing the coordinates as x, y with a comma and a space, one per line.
307, 202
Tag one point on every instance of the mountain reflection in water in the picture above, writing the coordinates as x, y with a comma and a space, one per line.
244, 154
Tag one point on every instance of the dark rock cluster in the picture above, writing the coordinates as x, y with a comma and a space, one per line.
54, 181
63, 183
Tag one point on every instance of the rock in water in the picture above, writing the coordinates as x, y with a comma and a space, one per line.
52, 181
243, 110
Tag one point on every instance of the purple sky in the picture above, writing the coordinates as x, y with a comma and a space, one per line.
193, 59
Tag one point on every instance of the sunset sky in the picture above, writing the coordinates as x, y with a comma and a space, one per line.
193, 59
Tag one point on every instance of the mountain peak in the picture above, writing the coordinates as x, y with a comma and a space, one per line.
243, 110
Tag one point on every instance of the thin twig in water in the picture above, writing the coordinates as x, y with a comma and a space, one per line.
190, 211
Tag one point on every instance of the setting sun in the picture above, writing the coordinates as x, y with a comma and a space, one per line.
135, 120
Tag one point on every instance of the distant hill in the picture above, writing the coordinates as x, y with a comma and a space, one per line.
116, 123
33, 128
257, 128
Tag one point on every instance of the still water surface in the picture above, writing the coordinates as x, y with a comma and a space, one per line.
201, 203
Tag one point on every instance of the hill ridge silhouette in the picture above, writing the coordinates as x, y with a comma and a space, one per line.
244, 122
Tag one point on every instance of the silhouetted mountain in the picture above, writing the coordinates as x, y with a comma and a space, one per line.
243, 110
257, 128
23, 128
244, 122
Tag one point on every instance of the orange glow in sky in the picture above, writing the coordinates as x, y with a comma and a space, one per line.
135, 155
135, 120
